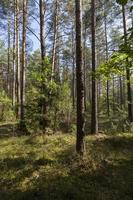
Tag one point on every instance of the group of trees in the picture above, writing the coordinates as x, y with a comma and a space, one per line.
79, 63
89, 79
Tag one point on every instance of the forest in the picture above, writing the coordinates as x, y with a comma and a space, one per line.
66, 100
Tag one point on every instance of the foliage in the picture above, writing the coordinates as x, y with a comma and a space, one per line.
6, 112
62, 111
122, 2
115, 65
128, 47
41, 88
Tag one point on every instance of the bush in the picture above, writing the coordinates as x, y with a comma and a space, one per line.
6, 109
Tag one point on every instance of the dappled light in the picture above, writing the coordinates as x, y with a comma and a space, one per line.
66, 100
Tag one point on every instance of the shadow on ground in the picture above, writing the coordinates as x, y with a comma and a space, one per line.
106, 173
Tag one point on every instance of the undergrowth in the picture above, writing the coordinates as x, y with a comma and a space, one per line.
47, 167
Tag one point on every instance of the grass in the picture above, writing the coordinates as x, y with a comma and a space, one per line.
47, 168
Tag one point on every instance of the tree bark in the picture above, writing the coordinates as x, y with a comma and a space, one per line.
94, 117
9, 56
54, 60
23, 67
128, 76
17, 59
106, 46
14, 60
42, 40
73, 69
79, 76
85, 36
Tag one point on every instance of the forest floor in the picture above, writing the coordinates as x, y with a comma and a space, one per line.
47, 168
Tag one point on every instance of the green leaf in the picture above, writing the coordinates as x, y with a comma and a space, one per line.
122, 2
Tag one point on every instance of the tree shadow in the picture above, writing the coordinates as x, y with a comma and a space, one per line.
64, 179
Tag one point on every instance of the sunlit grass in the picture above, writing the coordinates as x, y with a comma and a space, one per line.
46, 167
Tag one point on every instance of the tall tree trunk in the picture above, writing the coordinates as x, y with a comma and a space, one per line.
106, 45
42, 45
73, 69
94, 117
54, 60
42, 40
17, 59
22, 115
9, 56
128, 76
14, 60
121, 92
85, 35
79, 76
113, 95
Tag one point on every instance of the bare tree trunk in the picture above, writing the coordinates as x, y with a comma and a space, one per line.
128, 76
9, 49
22, 117
94, 117
73, 69
54, 61
113, 94
85, 34
17, 59
42, 44
106, 45
42, 40
79, 75
121, 92
14, 60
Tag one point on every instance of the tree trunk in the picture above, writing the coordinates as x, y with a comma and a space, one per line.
54, 61
17, 59
79, 76
106, 46
113, 95
22, 117
121, 92
94, 117
128, 76
14, 60
9, 49
73, 69
42, 40
85, 34
43, 121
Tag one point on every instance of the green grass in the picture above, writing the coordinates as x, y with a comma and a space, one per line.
47, 168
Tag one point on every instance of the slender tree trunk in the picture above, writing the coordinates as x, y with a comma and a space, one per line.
17, 59
43, 52
9, 49
42, 40
14, 60
79, 76
128, 76
85, 34
94, 117
23, 68
90, 84
106, 44
113, 94
54, 60
73, 69
121, 92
